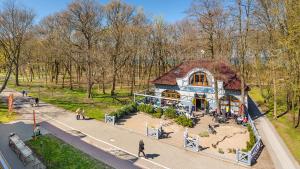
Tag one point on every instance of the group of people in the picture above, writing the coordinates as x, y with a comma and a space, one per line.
34, 102
80, 113
24, 93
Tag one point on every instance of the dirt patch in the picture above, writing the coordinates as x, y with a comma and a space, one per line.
229, 136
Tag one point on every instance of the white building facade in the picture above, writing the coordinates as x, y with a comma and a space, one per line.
195, 87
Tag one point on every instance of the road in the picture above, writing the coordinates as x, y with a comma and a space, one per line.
101, 140
281, 156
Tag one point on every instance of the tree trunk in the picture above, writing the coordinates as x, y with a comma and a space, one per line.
56, 72
8, 73
132, 79
103, 81
275, 93
17, 72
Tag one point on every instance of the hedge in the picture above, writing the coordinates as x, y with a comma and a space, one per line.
126, 110
169, 113
252, 141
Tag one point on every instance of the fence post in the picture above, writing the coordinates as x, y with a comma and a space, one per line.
114, 119
249, 158
237, 155
185, 135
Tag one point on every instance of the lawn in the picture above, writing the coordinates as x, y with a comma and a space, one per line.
56, 154
4, 116
283, 124
76, 98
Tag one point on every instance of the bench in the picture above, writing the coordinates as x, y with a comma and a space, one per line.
23, 152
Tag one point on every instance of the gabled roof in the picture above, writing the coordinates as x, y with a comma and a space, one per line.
222, 72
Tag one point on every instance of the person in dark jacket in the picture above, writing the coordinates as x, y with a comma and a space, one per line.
141, 148
36, 101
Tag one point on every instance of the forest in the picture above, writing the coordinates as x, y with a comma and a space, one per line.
102, 47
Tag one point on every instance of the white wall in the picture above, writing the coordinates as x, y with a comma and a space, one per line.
186, 94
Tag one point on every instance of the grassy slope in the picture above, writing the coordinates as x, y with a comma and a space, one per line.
283, 125
73, 99
56, 154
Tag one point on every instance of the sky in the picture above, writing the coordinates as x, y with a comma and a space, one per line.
170, 10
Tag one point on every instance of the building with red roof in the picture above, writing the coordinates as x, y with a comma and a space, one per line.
192, 82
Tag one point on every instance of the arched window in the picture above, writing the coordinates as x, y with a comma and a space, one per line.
171, 94
199, 79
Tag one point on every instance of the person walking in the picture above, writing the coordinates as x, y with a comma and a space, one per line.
141, 148
83, 114
37, 102
78, 113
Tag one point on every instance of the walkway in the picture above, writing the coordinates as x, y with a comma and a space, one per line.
118, 142
281, 156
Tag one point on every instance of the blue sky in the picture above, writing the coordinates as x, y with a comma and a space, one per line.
170, 10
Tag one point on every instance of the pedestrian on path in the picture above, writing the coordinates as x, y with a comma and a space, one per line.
83, 114
78, 113
141, 148
37, 102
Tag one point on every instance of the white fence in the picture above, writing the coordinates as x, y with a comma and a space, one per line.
190, 143
154, 132
110, 119
250, 157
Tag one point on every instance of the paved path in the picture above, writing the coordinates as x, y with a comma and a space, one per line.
24, 130
123, 143
280, 154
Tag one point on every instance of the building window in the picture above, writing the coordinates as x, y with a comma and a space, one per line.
199, 79
171, 94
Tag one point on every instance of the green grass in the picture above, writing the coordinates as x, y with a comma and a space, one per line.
4, 115
77, 98
56, 154
283, 125
256, 95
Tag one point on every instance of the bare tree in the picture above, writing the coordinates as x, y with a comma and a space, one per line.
118, 15
85, 16
15, 22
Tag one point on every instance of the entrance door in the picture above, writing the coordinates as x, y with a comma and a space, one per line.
200, 104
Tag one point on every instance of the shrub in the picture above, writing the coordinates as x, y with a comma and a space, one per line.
251, 141
146, 108
126, 110
158, 113
220, 151
184, 121
204, 134
232, 150
170, 113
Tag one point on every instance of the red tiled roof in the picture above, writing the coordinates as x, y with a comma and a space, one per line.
223, 72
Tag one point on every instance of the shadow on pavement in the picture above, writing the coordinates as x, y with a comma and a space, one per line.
152, 156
